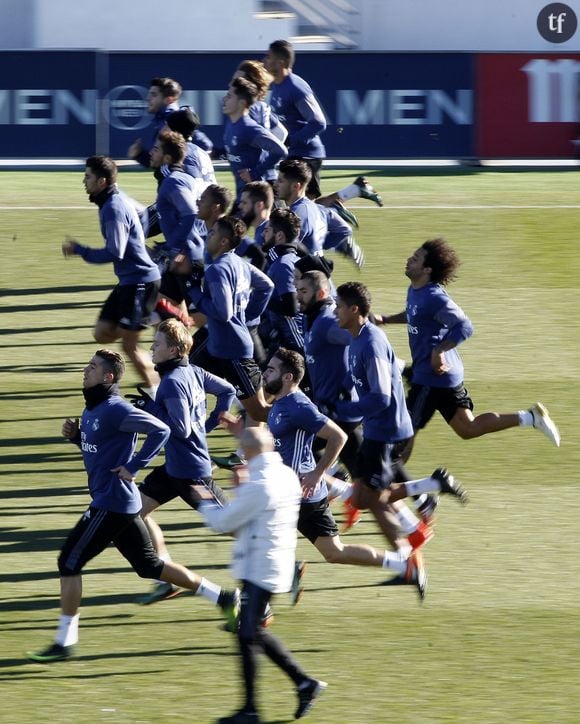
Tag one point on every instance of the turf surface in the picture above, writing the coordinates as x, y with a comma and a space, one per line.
497, 637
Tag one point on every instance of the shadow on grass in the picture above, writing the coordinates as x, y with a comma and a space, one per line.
54, 290
52, 307
42, 492
56, 367
36, 330
48, 395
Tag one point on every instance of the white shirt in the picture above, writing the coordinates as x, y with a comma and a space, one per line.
263, 515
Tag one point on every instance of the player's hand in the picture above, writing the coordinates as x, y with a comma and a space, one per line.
69, 247
201, 492
70, 428
245, 175
438, 363
124, 474
240, 475
232, 423
309, 482
142, 400
135, 149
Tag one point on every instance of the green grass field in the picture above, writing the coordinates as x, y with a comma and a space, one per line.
497, 638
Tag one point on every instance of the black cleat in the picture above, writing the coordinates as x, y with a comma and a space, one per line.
55, 652
449, 486
297, 590
426, 507
366, 191
345, 214
307, 695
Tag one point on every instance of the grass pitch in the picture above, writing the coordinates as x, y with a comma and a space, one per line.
497, 638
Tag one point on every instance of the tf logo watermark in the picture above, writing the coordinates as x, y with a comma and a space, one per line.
557, 23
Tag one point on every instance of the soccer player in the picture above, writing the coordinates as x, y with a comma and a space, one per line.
321, 227
126, 313
260, 111
283, 319
326, 348
162, 100
263, 517
231, 291
197, 162
180, 402
436, 326
294, 103
107, 436
255, 207
295, 421
380, 401
252, 150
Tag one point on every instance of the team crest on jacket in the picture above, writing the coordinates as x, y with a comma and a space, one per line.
95, 425
234, 140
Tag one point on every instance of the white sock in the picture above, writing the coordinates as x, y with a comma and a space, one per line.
395, 561
210, 590
423, 485
407, 519
338, 488
526, 418
352, 191
68, 630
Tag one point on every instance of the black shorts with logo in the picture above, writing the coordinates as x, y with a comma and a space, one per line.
130, 305
316, 521
423, 401
163, 487
244, 374
375, 464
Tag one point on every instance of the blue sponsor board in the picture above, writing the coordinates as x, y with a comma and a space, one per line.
378, 105
49, 103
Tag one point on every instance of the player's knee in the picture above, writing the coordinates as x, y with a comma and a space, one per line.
66, 568
149, 568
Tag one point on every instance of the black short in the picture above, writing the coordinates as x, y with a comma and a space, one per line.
129, 306
244, 374
163, 487
316, 521
173, 286
96, 530
313, 190
423, 401
374, 464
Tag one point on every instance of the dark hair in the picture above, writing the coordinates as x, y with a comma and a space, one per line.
287, 222
284, 51
257, 74
295, 170
245, 90
220, 195
290, 362
172, 144
442, 260
355, 294
103, 167
112, 362
317, 281
167, 86
260, 191
233, 229
314, 262
184, 121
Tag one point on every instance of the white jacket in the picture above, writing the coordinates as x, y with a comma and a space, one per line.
263, 515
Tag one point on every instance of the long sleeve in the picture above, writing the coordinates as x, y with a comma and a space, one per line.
157, 434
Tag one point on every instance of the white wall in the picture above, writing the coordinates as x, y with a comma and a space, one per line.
147, 24
457, 25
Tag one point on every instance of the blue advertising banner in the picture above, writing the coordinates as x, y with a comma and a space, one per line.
49, 103
378, 105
